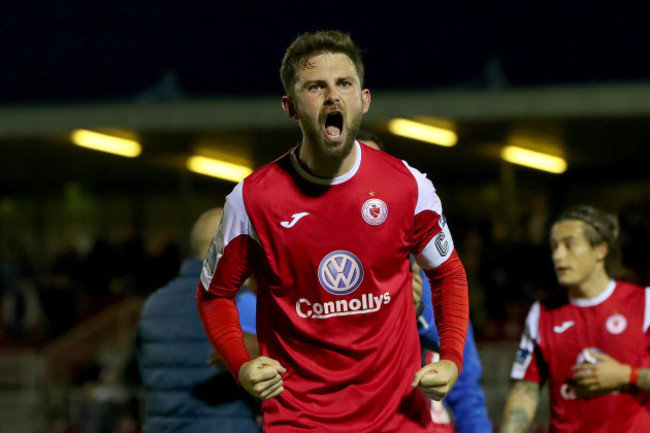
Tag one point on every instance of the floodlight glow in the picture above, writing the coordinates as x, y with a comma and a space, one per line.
106, 143
217, 168
423, 132
538, 160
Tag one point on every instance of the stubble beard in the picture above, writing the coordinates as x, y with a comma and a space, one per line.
333, 152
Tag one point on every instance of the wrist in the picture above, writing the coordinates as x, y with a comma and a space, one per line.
634, 375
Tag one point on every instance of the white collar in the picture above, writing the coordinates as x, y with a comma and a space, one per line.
590, 302
326, 181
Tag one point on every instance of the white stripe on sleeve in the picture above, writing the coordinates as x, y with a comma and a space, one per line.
427, 197
646, 317
527, 344
235, 222
439, 248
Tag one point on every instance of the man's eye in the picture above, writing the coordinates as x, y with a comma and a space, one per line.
315, 87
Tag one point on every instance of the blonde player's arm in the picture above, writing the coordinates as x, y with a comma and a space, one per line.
520, 407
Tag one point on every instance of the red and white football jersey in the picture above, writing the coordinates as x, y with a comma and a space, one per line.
335, 303
616, 323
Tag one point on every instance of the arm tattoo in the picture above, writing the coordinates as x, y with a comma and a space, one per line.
520, 407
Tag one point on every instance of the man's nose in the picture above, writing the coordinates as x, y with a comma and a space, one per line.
332, 95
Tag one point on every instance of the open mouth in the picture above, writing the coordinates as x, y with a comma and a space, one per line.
334, 125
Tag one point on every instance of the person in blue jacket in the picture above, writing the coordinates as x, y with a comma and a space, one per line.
185, 393
466, 401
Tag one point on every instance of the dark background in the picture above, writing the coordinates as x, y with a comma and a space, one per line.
70, 50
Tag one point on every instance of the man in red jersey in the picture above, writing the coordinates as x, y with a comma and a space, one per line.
327, 230
592, 344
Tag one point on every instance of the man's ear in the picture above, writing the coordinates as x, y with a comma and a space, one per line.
365, 100
289, 107
601, 251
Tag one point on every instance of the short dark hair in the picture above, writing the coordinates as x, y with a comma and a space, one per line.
310, 44
599, 227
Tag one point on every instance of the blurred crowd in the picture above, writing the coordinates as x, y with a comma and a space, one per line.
42, 299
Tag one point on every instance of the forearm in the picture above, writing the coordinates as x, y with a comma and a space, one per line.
221, 322
631, 376
450, 301
520, 407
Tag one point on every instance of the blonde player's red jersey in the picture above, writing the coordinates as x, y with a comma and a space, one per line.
615, 323
335, 303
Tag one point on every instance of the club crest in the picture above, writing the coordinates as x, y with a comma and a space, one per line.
374, 211
616, 323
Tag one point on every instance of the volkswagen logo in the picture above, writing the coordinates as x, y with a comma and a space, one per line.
340, 272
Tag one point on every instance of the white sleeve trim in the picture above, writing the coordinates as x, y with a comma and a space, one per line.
235, 222
439, 249
529, 338
427, 197
646, 317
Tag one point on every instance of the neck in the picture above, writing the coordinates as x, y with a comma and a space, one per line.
591, 287
322, 166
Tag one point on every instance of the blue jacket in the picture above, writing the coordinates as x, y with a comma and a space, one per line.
466, 400
183, 393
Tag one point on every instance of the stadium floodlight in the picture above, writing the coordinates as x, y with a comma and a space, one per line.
218, 168
423, 132
106, 143
532, 159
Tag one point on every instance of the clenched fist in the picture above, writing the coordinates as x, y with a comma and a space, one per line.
435, 380
262, 377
